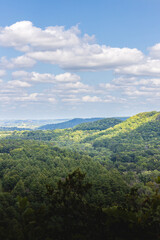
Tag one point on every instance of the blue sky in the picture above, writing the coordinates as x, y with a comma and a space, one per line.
65, 59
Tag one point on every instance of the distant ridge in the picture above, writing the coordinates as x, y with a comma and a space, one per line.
99, 124
13, 129
68, 124
76, 121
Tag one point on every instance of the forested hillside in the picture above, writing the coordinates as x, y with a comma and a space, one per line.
99, 180
98, 125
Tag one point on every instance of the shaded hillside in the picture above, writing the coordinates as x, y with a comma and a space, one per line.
98, 125
67, 124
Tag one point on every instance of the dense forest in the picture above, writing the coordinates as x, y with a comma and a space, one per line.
97, 180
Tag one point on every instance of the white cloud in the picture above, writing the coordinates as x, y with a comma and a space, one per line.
139, 93
89, 57
91, 99
122, 82
22, 62
18, 83
150, 89
23, 36
76, 85
71, 100
28, 97
65, 83
45, 77
134, 88
155, 82
4, 99
108, 86
67, 77
67, 48
52, 100
155, 51
72, 88
150, 67
18, 62
136, 76
20, 74
2, 73
102, 99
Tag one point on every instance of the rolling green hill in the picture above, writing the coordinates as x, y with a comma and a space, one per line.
132, 145
98, 125
83, 179
127, 127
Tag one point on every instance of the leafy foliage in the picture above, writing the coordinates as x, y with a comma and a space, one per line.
82, 184
98, 125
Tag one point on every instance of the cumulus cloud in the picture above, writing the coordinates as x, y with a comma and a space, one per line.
52, 100
4, 99
2, 73
121, 82
155, 51
107, 99
150, 67
45, 77
134, 87
20, 74
11, 97
72, 88
128, 88
28, 97
67, 77
18, 83
18, 62
138, 93
109, 86
25, 37
136, 75
62, 83
77, 85
91, 99
16, 91
67, 48
71, 100
89, 57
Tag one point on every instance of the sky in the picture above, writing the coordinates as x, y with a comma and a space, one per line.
88, 58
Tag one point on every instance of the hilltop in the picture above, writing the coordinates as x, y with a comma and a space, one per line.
98, 125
